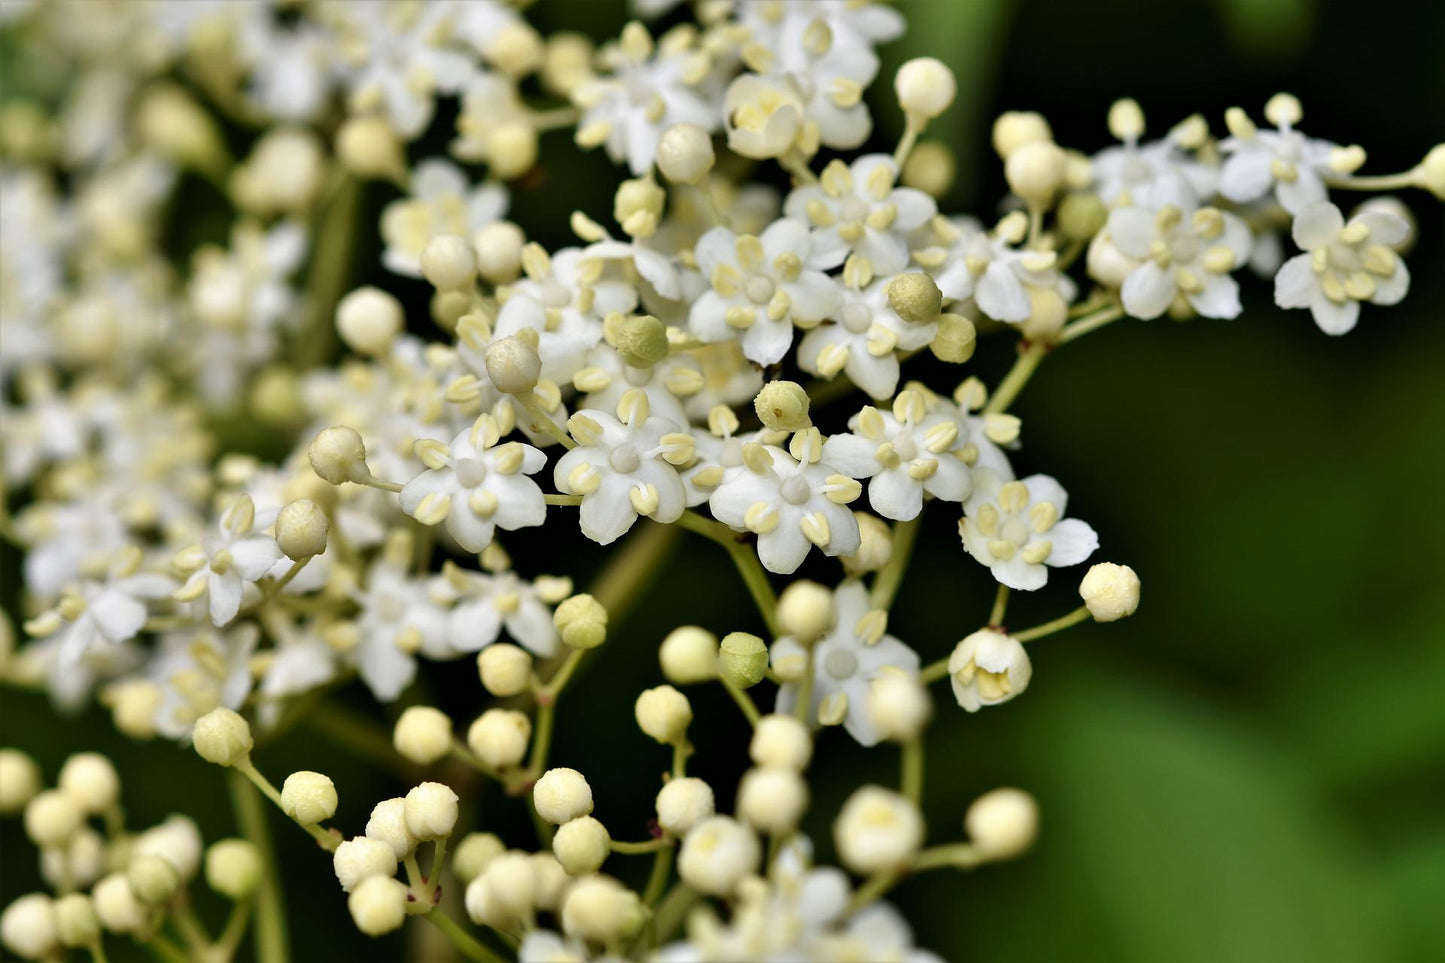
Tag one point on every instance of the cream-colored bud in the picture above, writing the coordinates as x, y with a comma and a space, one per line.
772, 799
431, 810
877, 830
898, 704
91, 780
689, 655
361, 858
282, 175
581, 621
177, 841
930, 168
581, 845
664, 714
1430, 174
717, 854
116, 906
221, 736
499, 737
683, 803
274, 396
1110, 591
567, 62
954, 341
1035, 171
367, 147
423, 734
1003, 823
781, 742
915, 297
512, 879
338, 455
742, 659
562, 795
473, 854
1126, 119
133, 704
550, 881
601, 910
449, 262
1081, 216
1017, 128
505, 669
76, 924
308, 797
638, 201
153, 879
368, 320
513, 365
1283, 110
498, 248
301, 529
233, 868
77, 864
27, 927
512, 149
172, 122
782, 406
515, 49
925, 87
685, 154
640, 339
19, 780
875, 545
52, 817
805, 611
378, 905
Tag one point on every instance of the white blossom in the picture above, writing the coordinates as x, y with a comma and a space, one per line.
864, 340
1016, 528
1181, 254
1343, 264
228, 561
855, 208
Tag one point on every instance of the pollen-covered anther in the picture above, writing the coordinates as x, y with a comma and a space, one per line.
644, 498
833, 709
922, 469
842, 490
584, 479
760, 518
816, 529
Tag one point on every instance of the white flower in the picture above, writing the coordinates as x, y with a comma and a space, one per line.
61, 538
623, 468
200, 671
109, 612
1343, 264
477, 485
845, 662
1283, 161
1017, 527
857, 209
905, 453
1179, 254
791, 504
398, 618
864, 341
298, 663
486, 603
247, 287
968, 262
988, 667
442, 201
290, 68
719, 452
1152, 175
564, 299
606, 378
759, 287
227, 562
545, 946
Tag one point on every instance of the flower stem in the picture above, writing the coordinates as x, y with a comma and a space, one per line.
329, 272
745, 702
890, 577
1090, 322
270, 917
661, 870
912, 776
466, 944
1018, 376
746, 561
326, 839
651, 846
934, 671
1079, 614
1000, 606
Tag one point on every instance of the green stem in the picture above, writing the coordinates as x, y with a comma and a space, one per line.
165, 949
325, 839
235, 927
873, 889
657, 879
1079, 614
329, 272
651, 846
673, 910
934, 671
958, 855
438, 863
1000, 606
1091, 322
1018, 376
745, 702
890, 577
746, 561
912, 776
466, 944
270, 917
96, 950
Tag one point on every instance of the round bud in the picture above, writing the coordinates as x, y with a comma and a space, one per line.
133, 704
367, 148
91, 780
805, 611
717, 854
601, 910
222, 737
1018, 127
562, 795
772, 799
498, 247
449, 263
782, 406
339, 455
275, 396
512, 879
581, 845
781, 742
685, 154
549, 881
388, 825
688, 655
513, 365
233, 868
1035, 171
915, 297
282, 173
954, 342
116, 906
930, 168
1081, 216
378, 905
637, 206
1110, 591
1002, 823
683, 803
473, 854
512, 149
1430, 174
877, 830
152, 878
422, 734
431, 810
78, 863
301, 529
742, 659
169, 120
898, 704
664, 714
177, 841
76, 924
499, 737
875, 545
308, 797
52, 817
582, 622
27, 927
19, 780
361, 858
368, 320
925, 87
641, 340
1126, 119
506, 669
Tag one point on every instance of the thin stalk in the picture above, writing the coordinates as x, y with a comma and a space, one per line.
912, 775
466, 944
1079, 614
1090, 322
745, 702
1018, 376
633, 849
270, 916
1000, 606
657, 879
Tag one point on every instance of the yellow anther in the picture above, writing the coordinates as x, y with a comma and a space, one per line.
1001, 549
726, 280
1013, 497
881, 341
816, 529
923, 469
1283, 170
843, 490
1334, 290
507, 603
433, 453
1355, 232
757, 458
509, 457
1168, 218
709, 477
681, 448
434, 507
821, 214
852, 231
836, 180
222, 561
871, 626
684, 381
940, 437
483, 503
787, 266
806, 445
968, 454
1043, 516
583, 480
1001, 429
1219, 260
408, 640
741, 317
833, 709
535, 261
750, 253
880, 181
722, 421
988, 520
463, 390
589, 380
760, 518
644, 498
1188, 281
584, 429
633, 407
1379, 260
1360, 286
887, 455
870, 423
832, 359
780, 305
881, 218
910, 406
845, 92
1208, 222
1239, 123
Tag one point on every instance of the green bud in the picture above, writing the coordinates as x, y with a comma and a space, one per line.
742, 659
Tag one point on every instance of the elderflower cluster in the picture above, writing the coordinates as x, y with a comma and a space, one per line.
256, 471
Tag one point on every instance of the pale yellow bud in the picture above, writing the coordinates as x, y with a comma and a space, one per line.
513, 365
153, 879
805, 611
172, 122
449, 263
233, 868
1110, 591
474, 853
1002, 823
423, 734
683, 803
1016, 128
431, 810
51, 818
915, 297
378, 905
781, 741
930, 168
308, 797
368, 320
685, 154
505, 669
561, 795
19, 780
91, 780
1431, 172
641, 340
582, 622
28, 927
772, 799
339, 455
637, 206
76, 924
581, 845
499, 251
664, 714
925, 87
512, 149
742, 659
1035, 171
875, 545
782, 406
222, 737
499, 737
955, 340
689, 655
367, 147
362, 857
301, 529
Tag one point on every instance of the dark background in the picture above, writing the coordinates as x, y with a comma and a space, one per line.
1248, 769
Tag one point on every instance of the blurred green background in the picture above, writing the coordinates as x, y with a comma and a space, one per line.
1250, 768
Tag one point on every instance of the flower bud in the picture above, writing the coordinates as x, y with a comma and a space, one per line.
683, 803
76, 924
505, 669
449, 263
930, 168
378, 905
875, 538
925, 87
431, 810
339, 455
222, 737
361, 858
91, 780
473, 854
170, 120
1002, 823
513, 365
512, 149
685, 154
898, 704
498, 248
1035, 171
78, 863
177, 841
550, 880
1081, 216
582, 622
782, 406
422, 734
915, 297
301, 529
367, 147
717, 854
51, 818
233, 868
689, 655
308, 797
805, 611
1430, 174
1017, 128
133, 704
1110, 591
27, 927
19, 781
562, 795
511, 878
772, 799
388, 824
153, 879
581, 845
877, 830
499, 737
954, 341
368, 320
742, 659
281, 175
599, 909
640, 339
1387, 204
116, 906
664, 714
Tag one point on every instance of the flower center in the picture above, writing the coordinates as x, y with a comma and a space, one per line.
904, 446
854, 209
732, 453
856, 317
759, 289
471, 472
390, 608
624, 459
1015, 530
840, 664
795, 490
